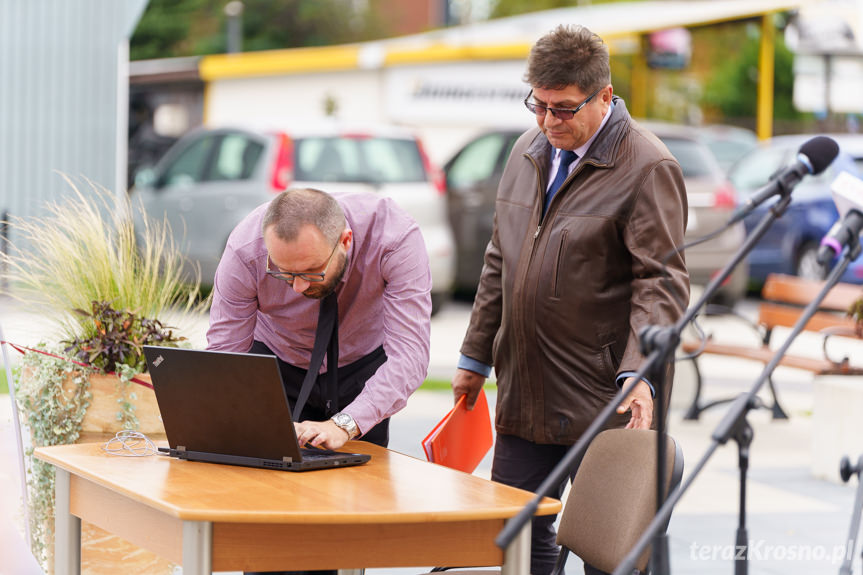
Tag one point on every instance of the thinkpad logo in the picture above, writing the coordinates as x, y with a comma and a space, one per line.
158, 361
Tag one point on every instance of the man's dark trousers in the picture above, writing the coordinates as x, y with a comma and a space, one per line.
524, 464
323, 404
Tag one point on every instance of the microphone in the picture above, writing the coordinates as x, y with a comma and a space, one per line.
813, 157
848, 195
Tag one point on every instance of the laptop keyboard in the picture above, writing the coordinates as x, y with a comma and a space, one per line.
314, 453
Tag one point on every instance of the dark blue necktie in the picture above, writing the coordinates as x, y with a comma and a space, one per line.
326, 342
567, 157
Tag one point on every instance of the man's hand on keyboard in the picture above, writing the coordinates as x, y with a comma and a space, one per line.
324, 434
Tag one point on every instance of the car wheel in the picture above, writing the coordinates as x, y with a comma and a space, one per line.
807, 263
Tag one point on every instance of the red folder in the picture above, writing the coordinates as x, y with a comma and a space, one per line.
462, 438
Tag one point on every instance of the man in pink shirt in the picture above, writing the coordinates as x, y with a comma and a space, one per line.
308, 249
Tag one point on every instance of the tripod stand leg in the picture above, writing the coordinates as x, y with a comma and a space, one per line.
743, 436
659, 558
846, 471
741, 552
695, 408
776, 408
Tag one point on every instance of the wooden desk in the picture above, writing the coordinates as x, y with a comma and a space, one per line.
394, 511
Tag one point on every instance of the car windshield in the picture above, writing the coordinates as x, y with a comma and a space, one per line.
693, 157
756, 169
728, 151
727, 144
358, 159
762, 165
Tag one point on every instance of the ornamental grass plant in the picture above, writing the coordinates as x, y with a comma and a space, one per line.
108, 287
85, 249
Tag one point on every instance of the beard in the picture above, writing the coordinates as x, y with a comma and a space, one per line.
323, 289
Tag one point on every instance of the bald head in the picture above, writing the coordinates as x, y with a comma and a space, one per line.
294, 209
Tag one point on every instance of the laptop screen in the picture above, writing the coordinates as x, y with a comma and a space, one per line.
224, 403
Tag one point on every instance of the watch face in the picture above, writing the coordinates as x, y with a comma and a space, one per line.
345, 421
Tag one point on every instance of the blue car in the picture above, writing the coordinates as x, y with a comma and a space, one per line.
791, 244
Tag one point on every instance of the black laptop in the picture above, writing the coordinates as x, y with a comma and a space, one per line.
231, 408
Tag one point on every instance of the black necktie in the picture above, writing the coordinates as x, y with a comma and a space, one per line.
326, 340
567, 157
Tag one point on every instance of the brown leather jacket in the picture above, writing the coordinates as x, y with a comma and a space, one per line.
560, 303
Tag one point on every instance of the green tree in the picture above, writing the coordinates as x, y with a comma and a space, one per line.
733, 87
164, 29
293, 23
171, 28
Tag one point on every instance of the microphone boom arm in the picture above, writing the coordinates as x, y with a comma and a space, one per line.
734, 417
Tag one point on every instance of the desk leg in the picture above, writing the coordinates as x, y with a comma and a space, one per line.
67, 528
197, 548
516, 558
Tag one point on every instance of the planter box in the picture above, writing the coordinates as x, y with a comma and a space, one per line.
101, 416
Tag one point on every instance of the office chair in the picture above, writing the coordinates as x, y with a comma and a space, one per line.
612, 500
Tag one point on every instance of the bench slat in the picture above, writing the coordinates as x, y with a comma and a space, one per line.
764, 355
773, 314
798, 291
784, 297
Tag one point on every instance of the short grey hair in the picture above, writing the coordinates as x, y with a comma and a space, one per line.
569, 56
296, 208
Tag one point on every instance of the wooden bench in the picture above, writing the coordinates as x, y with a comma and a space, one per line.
784, 298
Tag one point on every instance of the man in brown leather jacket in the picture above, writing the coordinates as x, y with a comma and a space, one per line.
574, 269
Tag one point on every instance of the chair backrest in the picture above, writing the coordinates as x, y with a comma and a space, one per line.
613, 496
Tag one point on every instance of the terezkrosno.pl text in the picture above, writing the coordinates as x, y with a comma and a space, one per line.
760, 550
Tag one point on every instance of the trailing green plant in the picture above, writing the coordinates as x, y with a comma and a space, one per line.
54, 418
119, 338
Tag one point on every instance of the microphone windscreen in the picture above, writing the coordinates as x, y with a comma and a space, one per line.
821, 152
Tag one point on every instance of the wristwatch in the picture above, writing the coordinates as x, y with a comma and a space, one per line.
346, 422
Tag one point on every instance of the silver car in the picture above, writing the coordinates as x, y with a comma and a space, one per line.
212, 178
475, 170
712, 200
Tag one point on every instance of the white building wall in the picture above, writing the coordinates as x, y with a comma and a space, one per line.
445, 103
449, 103
280, 100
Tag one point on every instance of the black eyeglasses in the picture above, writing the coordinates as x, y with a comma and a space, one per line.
559, 113
309, 277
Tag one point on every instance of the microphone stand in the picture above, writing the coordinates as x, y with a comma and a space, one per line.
846, 470
657, 345
735, 426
